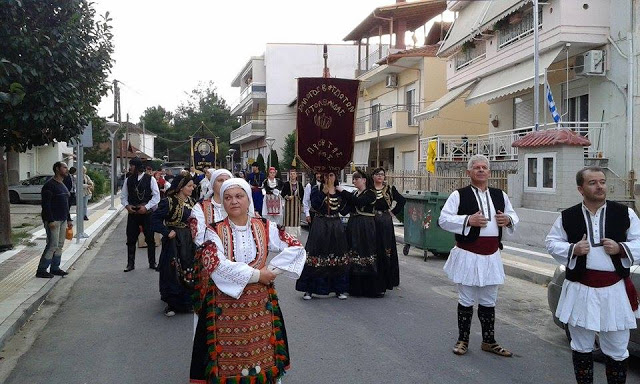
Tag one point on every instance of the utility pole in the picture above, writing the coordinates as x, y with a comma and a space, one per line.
536, 75
117, 117
5, 210
126, 141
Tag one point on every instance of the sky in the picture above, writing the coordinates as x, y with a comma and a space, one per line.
163, 48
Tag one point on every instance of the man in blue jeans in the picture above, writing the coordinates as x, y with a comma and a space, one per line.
55, 214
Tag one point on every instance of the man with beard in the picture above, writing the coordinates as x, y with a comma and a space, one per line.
140, 195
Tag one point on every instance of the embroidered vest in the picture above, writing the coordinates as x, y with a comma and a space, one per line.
616, 225
469, 205
139, 190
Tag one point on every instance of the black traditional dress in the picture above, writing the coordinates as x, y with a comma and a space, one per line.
386, 237
172, 215
366, 277
326, 267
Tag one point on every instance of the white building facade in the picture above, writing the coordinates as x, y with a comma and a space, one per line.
268, 90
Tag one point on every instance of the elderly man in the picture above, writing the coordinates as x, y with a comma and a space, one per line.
598, 241
477, 215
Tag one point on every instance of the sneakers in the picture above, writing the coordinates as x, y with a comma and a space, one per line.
44, 274
306, 296
59, 272
169, 312
342, 296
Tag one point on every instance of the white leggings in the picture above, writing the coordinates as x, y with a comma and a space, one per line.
470, 295
613, 343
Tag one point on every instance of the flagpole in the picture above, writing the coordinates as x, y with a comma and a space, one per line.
536, 77
546, 98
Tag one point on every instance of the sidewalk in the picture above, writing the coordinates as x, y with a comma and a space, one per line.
521, 262
21, 293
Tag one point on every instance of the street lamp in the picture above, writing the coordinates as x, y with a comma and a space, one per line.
231, 152
113, 127
270, 140
228, 160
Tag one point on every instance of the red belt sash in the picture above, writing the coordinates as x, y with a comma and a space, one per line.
601, 279
482, 245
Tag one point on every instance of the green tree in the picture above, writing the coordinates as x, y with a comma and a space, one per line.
289, 150
55, 57
206, 114
273, 160
260, 162
160, 121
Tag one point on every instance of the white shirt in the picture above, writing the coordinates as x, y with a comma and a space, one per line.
155, 193
459, 224
597, 259
231, 277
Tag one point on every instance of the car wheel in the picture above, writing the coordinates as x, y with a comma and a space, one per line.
14, 198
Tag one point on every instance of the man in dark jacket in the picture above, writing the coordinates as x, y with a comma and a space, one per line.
140, 196
55, 213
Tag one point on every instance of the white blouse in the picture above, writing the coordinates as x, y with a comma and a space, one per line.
231, 277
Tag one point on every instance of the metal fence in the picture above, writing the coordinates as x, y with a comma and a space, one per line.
443, 181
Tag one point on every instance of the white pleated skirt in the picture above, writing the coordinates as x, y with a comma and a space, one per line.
468, 268
597, 309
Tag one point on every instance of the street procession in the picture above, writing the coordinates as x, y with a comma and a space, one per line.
380, 191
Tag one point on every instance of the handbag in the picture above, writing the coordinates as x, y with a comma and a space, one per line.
69, 233
73, 200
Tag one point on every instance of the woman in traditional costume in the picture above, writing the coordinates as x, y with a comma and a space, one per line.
326, 268
292, 192
364, 279
272, 202
386, 195
209, 211
240, 336
171, 220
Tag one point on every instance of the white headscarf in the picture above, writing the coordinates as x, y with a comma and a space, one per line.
214, 175
242, 183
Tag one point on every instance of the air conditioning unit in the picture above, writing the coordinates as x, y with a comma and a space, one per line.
392, 81
590, 63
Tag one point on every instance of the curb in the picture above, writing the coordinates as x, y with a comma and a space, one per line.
12, 324
516, 269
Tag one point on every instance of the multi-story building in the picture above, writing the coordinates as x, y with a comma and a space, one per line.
396, 83
585, 57
268, 91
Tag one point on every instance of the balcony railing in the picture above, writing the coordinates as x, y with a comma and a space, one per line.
361, 123
515, 32
374, 57
250, 128
497, 145
384, 118
470, 56
260, 89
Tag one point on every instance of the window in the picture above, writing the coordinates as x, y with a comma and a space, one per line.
540, 172
410, 99
375, 117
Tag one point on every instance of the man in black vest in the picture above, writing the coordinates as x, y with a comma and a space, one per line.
477, 214
140, 195
597, 240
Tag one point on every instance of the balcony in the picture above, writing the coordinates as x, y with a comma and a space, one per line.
252, 94
471, 55
392, 122
497, 145
520, 30
252, 130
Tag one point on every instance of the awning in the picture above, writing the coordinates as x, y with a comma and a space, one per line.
510, 80
434, 109
476, 17
361, 153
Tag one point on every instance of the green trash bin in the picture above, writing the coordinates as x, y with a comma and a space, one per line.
421, 229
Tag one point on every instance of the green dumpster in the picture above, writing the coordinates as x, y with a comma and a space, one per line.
421, 229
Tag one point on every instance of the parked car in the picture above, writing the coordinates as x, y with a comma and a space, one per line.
553, 296
28, 190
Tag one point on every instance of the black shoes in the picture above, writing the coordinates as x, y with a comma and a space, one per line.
86, 218
59, 272
44, 274
153, 266
129, 268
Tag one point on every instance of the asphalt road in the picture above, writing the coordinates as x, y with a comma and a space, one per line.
101, 325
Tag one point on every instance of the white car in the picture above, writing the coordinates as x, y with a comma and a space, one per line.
28, 190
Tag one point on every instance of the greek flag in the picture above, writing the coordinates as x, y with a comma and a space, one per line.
552, 106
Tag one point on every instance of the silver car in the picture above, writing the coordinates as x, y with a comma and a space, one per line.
28, 190
553, 296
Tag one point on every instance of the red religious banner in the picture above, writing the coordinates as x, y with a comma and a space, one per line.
325, 122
